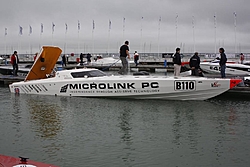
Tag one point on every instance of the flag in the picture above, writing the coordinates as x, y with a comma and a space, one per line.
41, 28
193, 21
160, 19
5, 33
20, 30
214, 21
176, 21
141, 23
124, 23
234, 14
30, 30
66, 27
235, 19
93, 24
79, 26
53, 27
109, 24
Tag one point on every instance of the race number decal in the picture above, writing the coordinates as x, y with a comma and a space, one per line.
184, 85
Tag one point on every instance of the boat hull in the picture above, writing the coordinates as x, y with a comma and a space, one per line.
231, 69
131, 87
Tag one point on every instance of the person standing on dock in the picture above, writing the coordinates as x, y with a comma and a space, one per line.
194, 64
81, 59
136, 58
64, 62
223, 60
35, 56
14, 61
89, 58
177, 62
124, 52
242, 58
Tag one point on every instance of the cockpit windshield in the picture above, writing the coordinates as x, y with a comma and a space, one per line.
84, 74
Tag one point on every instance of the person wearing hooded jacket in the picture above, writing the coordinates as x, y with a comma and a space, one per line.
223, 60
194, 64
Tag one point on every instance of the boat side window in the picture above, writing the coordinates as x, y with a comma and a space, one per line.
88, 74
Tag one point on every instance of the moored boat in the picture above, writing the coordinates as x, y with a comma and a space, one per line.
233, 69
8, 161
95, 83
8, 69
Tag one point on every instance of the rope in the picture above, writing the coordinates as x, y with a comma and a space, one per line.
110, 65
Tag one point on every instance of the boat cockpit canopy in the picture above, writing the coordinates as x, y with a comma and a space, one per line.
87, 74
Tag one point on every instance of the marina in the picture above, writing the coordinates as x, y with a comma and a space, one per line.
69, 103
111, 64
70, 131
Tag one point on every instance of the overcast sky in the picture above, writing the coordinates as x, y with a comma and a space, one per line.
150, 26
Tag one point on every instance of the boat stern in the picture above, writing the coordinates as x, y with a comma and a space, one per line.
234, 82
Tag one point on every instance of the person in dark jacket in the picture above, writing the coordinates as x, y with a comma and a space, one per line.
64, 62
14, 61
194, 64
89, 58
223, 60
177, 62
124, 53
81, 59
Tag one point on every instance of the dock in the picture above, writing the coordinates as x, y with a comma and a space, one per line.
149, 68
5, 80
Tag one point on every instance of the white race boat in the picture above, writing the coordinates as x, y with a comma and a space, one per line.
94, 83
233, 69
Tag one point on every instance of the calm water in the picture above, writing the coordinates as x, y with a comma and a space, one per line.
93, 132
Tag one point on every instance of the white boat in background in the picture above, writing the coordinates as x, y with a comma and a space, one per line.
95, 83
1, 60
23, 69
109, 61
232, 69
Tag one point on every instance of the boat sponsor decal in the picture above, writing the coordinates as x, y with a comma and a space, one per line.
215, 84
126, 87
184, 85
36, 87
24, 165
216, 68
